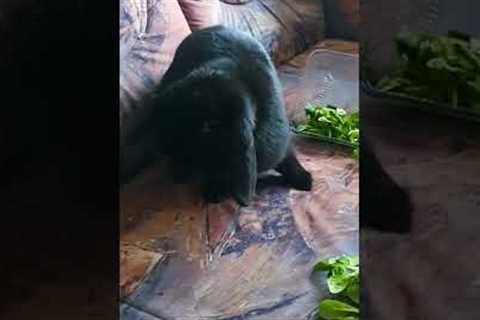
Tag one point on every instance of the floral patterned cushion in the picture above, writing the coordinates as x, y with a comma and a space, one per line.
150, 32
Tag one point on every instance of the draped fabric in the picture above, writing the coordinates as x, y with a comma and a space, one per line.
286, 28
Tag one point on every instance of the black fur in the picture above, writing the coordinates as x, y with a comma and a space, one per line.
384, 205
219, 112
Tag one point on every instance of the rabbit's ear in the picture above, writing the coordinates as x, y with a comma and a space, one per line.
244, 162
245, 172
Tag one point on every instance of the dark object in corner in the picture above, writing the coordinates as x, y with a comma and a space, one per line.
219, 112
384, 206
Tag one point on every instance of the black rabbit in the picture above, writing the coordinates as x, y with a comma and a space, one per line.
219, 111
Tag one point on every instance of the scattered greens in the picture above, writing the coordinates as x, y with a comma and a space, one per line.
444, 69
332, 124
344, 285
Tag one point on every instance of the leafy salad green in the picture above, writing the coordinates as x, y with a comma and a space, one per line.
344, 285
332, 124
444, 69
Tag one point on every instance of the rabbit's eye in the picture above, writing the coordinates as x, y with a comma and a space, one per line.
206, 128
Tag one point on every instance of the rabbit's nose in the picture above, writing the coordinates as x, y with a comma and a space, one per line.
206, 128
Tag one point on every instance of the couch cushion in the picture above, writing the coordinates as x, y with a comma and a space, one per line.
286, 28
200, 13
150, 32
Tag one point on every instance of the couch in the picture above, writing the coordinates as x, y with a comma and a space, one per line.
181, 259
